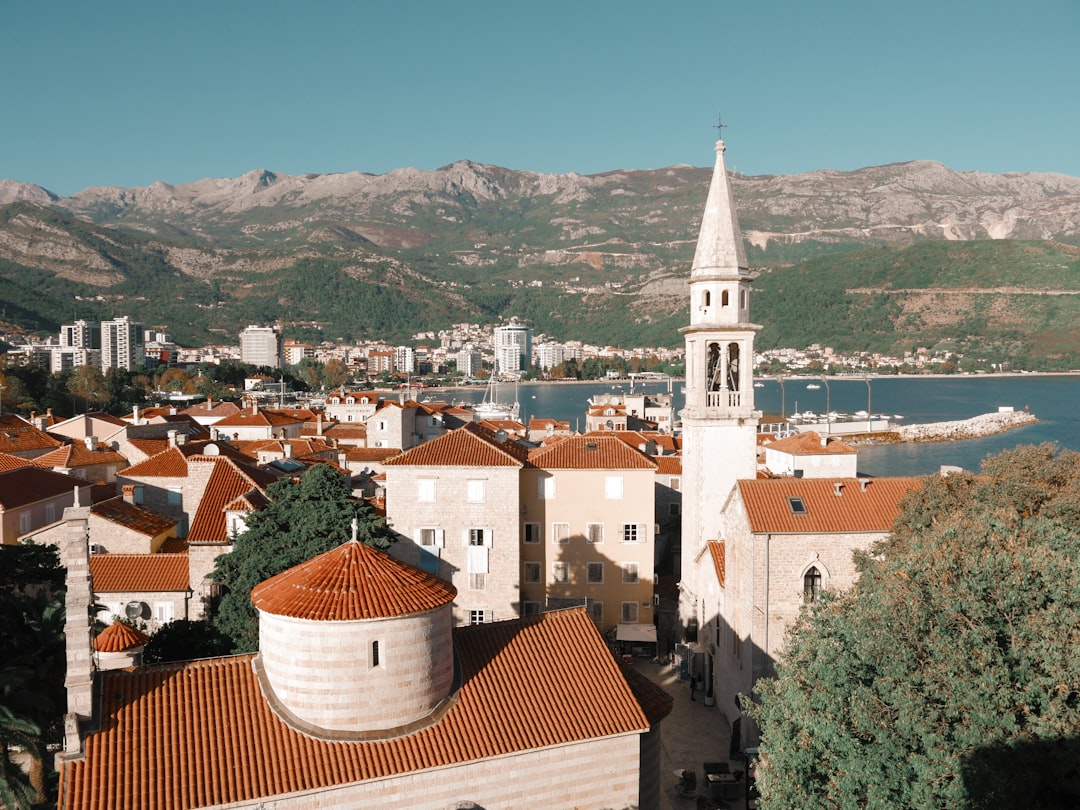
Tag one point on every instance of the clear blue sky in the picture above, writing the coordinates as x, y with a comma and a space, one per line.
127, 93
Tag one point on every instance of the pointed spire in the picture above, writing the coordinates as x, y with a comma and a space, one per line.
720, 249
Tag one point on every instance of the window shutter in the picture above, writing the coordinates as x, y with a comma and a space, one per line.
465, 537
418, 536
488, 537
478, 560
440, 537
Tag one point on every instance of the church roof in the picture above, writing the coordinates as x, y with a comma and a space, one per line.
351, 582
224, 744
719, 247
823, 505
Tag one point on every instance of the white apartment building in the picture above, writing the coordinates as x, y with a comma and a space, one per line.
261, 346
123, 343
513, 348
549, 355
405, 359
469, 362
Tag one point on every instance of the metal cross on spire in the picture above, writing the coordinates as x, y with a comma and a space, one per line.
720, 127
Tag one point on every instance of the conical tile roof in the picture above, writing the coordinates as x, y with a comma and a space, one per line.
118, 637
351, 582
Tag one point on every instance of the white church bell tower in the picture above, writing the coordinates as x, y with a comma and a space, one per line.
719, 421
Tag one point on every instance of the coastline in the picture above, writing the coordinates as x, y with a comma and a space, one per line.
977, 427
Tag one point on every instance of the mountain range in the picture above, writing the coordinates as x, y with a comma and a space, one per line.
888, 257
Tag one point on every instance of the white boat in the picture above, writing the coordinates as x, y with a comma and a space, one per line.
812, 387
490, 407
759, 385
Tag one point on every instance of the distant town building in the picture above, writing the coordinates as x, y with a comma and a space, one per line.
261, 346
513, 348
405, 359
549, 355
123, 343
469, 362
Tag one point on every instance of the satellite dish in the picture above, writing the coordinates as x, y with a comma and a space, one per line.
211, 450
610, 425
133, 610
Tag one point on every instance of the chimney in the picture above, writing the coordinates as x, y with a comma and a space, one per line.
79, 680
128, 493
287, 447
91, 443
824, 441
172, 411
135, 414
209, 402
172, 438
318, 424
181, 437
862, 484
837, 486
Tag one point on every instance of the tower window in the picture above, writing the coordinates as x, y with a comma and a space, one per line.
724, 298
811, 584
374, 653
706, 298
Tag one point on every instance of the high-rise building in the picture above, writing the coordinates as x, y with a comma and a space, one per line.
404, 359
261, 346
469, 361
80, 335
123, 343
513, 348
549, 355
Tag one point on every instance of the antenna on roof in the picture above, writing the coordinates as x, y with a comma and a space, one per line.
354, 529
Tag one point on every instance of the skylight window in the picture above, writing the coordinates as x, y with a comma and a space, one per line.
798, 506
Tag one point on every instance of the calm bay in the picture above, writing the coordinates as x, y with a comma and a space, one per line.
1052, 398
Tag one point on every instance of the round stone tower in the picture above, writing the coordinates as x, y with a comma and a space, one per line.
354, 643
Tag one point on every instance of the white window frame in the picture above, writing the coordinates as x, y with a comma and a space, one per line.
560, 533
477, 536
590, 567
426, 490
594, 533
630, 573
436, 535
163, 612
479, 616
613, 487
628, 613
532, 573
476, 490
25, 522
560, 573
635, 533
545, 488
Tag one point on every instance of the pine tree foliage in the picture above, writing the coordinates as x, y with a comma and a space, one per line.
303, 519
949, 676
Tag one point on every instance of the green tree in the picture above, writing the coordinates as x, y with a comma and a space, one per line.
185, 640
87, 386
335, 373
949, 675
303, 519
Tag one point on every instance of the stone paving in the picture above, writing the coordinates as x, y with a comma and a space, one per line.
691, 735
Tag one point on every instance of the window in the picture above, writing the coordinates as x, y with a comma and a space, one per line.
163, 612
595, 532
629, 612
613, 487
24, 522
532, 533
478, 617
532, 572
797, 505
545, 488
475, 490
724, 298
425, 490
594, 573
706, 298
374, 653
811, 584
560, 573
530, 608
675, 483
596, 611
560, 532
673, 509
50, 512
430, 537
633, 533
630, 573
477, 581
478, 537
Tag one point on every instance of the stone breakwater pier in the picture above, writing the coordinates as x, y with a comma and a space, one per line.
976, 427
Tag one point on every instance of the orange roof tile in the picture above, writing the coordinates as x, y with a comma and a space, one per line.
118, 637
350, 582
543, 423
472, 445
668, 465
809, 443
370, 453
263, 418
173, 545
117, 510
228, 481
716, 549
873, 509
17, 436
79, 455
594, 452
112, 573
26, 485
10, 462
222, 743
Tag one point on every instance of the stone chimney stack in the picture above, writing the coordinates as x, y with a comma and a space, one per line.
135, 414
79, 680
172, 438
128, 493
287, 447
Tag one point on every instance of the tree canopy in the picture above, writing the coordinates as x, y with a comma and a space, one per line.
949, 675
303, 520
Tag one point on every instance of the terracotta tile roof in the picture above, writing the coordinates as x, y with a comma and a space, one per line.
668, 465
263, 418
26, 485
607, 410
472, 445
78, 455
117, 573
808, 443
171, 463
537, 423
224, 744
873, 509
173, 545
118, 637
150, 447
509, 425
228, 481
656, 703
350, 582
716, 550
595, 452
216, 409
370, 453
10, 462
335, 430
117, 510
17, 435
